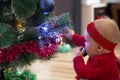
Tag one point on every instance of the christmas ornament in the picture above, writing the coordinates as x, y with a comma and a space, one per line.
58, 40
64, 48
46, 6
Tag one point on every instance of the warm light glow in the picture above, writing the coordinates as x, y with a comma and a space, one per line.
19, 24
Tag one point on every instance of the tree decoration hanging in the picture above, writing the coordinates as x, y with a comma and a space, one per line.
46, 6
64, 48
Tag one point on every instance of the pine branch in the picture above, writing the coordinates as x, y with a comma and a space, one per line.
61, 20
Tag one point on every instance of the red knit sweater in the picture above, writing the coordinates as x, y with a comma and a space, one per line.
101, 67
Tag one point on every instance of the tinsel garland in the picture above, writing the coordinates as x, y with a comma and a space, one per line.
13, 74
15, 51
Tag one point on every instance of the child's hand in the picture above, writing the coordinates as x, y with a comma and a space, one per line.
80, 51
69, 33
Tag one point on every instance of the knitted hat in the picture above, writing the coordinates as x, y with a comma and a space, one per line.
105, 32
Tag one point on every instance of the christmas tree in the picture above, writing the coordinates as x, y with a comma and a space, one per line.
29, 30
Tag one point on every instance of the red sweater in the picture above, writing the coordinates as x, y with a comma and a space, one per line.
100, 67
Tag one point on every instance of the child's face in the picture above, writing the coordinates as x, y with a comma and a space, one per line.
90, 45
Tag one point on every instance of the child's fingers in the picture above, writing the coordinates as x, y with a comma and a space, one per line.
68, 35
66, 29
80, 51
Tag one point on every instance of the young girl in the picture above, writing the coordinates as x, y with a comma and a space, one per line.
101, 37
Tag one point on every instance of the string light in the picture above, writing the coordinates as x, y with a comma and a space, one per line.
20, 26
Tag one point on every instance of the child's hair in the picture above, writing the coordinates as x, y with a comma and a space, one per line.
108, 29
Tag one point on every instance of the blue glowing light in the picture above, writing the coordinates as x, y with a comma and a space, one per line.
46, 12
45, 29
47, 33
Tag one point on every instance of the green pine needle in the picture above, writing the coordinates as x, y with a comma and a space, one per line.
14, 74
24, 8
7, 35
61, 20
30, 34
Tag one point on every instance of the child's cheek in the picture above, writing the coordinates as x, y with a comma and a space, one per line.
86, 47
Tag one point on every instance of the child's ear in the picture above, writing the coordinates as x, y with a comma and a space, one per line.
100, 48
